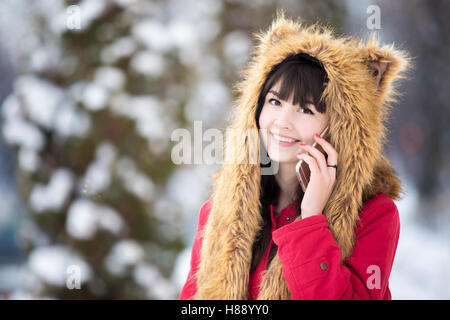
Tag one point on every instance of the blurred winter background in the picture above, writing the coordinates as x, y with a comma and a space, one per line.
91, 93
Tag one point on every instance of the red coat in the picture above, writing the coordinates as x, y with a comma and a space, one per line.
311, 257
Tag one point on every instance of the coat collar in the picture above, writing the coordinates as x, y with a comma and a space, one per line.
278, 216
358, 101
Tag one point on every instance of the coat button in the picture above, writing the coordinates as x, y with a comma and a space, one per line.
288, 219
323, 266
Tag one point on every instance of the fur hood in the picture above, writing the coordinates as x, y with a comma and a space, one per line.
358, 96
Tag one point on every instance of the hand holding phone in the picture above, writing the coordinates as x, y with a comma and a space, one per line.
302, 168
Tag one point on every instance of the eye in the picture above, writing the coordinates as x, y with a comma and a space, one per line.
307, 110
278, 102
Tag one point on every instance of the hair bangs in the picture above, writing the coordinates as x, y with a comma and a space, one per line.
302, 78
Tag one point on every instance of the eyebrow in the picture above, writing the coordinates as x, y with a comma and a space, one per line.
278, 95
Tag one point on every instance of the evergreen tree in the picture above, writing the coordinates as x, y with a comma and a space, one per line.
101, 86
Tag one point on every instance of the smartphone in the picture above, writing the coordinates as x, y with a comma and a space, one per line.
302, 168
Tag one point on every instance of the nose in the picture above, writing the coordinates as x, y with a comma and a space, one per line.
284, 119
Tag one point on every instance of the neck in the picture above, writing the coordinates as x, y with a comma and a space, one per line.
288, 182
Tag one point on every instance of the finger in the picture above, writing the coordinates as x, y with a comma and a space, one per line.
319, 156
312, 163
331, 152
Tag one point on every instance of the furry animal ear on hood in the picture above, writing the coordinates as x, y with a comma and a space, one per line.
358, 95
386, 63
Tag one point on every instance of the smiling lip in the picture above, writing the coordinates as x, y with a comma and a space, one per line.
283, 143
283, 135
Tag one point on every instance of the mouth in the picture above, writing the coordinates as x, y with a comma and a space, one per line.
283, 141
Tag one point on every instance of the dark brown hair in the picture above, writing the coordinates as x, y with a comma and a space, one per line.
306, 77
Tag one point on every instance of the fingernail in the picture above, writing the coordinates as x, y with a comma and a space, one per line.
317, 135
302, 144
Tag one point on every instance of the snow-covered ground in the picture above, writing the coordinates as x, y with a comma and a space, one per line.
420, 268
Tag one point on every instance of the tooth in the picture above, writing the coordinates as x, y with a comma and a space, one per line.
283, 139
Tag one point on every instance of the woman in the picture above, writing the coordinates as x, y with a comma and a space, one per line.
260, 236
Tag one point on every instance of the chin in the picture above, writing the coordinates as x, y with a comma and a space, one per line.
282, 158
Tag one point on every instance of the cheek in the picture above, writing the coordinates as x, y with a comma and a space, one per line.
264, 123
264, 119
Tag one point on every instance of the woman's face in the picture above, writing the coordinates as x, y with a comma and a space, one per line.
299, 123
